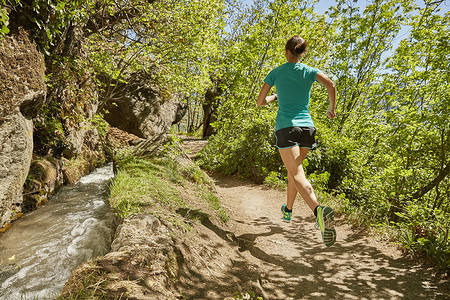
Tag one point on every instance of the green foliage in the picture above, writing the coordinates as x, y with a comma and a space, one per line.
100, 124
252, 149
154, 182
388, 146
4, 19
357, 49
48, 20
173, 40
331, 161
244, 141
138, 184
69, 105
49, 132
273, 180
424, 231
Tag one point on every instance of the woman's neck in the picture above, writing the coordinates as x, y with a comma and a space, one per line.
292, 58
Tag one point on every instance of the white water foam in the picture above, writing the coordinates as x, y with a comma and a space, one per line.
99, 175
39, 252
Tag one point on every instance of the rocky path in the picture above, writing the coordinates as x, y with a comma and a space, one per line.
289, 261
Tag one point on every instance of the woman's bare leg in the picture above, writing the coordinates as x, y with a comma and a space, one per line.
293, 159
291, 193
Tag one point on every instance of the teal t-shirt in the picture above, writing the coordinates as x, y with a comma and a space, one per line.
293, 82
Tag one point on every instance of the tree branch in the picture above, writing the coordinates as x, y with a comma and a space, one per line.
421, 192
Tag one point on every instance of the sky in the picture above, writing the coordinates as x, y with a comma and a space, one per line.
323, 5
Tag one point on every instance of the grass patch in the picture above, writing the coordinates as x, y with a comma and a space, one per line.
141, 182
215, 204
89, 285
160, 184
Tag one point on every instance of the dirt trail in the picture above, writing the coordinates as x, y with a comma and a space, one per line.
289, 260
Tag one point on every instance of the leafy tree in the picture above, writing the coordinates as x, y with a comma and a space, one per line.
175, 40
386, 155
255, 44
418, 131
109, 40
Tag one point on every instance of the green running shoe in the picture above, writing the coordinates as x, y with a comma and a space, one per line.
325, 222
287, 216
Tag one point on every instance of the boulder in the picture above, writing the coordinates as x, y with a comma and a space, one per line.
22, 93
142, 108
44, 179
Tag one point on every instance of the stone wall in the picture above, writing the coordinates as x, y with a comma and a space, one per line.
22, 93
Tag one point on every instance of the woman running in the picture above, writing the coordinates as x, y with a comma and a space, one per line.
295, 131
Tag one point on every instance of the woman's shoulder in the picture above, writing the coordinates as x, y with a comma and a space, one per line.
277, 69
280, 67
303, 65
294, 67
307, 68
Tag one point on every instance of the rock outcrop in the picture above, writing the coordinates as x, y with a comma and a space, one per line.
141, 262
44, 179
60, 127
22, 93
142, 108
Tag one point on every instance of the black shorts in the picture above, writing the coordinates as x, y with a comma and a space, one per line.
304, 137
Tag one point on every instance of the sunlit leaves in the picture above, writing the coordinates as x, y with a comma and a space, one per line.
255, 45
175, 40
4, 19
391, 139
420, 102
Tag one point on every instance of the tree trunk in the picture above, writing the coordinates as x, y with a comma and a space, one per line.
210, 106
421, 192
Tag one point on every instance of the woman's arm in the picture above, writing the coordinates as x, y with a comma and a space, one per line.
263, 99
331, 89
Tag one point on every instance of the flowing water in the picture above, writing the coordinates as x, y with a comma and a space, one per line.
38, 253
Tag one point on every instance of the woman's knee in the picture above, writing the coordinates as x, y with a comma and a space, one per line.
296, 177
303, 182
309, 188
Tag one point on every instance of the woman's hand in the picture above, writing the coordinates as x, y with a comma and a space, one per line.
331, 89
331, 113
262, 98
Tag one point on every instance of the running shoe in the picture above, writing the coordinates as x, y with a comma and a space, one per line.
287, 216
325, 222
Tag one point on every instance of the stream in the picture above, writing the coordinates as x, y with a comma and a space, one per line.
38, 253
